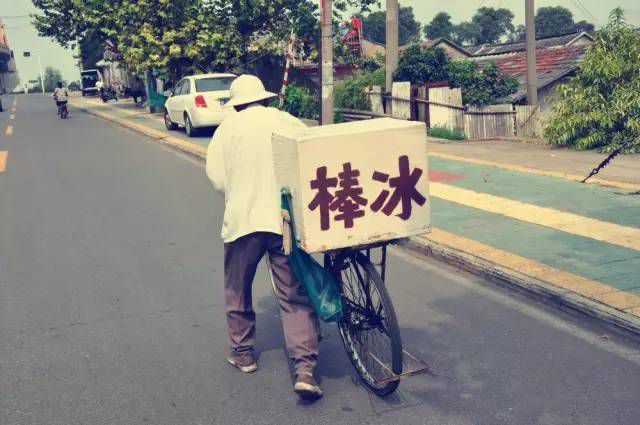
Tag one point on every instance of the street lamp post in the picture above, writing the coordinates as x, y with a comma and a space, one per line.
28, 55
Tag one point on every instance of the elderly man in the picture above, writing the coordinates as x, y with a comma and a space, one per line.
239, 164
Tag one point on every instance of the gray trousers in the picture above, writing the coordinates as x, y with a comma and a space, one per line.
299, 321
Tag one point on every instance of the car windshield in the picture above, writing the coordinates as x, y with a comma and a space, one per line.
214, 84
89, 79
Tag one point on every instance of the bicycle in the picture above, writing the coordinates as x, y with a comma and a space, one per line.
63, 111
369, 327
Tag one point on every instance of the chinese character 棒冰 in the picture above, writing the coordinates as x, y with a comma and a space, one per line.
405, 191
323, 198
348, 199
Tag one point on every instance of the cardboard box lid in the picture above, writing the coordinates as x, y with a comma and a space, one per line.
352, 128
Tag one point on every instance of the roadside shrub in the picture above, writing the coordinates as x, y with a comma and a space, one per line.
599, 108
302, 102
481, 85
350, 94
445, 133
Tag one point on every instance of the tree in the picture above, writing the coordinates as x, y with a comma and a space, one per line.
480, 86
419, 65
519, 34
440, 26
558, 20
584, 26
553, 20
600, 106
492, 24
488, 26
91, 48
51, 78
374, 26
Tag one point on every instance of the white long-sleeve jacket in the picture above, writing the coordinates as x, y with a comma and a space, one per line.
240, 164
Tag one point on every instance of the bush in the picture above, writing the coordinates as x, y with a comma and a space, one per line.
445, 133
302, 102
479, 86
420, 65
600, 107
350, 94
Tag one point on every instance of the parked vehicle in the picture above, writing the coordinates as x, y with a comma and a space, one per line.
108, 93
198, 101
90, 78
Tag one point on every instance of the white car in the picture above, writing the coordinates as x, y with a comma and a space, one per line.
198, 101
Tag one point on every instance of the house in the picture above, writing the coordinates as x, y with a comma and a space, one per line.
557, 58
8, 73
453, 50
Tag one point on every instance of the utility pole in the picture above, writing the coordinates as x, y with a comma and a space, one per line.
392, 42
326, 66
532, 84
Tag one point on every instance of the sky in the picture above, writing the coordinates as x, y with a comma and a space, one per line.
23, 36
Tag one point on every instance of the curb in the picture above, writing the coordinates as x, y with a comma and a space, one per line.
562, 299
159, 136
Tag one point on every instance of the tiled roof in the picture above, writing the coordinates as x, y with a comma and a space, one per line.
435, 42
543, 43
551, 64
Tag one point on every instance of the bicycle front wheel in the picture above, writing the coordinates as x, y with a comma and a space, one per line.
369, 327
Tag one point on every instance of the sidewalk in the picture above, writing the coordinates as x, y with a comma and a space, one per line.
514, 212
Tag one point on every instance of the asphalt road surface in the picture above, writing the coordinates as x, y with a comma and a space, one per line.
111, 310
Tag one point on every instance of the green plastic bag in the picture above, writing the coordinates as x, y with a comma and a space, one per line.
320, 284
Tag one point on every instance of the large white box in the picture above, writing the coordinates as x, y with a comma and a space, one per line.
355, 184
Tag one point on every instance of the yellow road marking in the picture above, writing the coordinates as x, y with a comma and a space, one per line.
3, 161
615, 234
9, 130
529, 170
560, 278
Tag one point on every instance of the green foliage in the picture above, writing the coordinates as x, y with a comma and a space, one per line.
600, 107
51, 78
374, 26
445, 133
440, 26
302, 102
553, 20
558, 20
487, 26
350, 94
481, 86
420, 65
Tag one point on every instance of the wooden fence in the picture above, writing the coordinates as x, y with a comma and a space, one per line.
440, 106
489, 122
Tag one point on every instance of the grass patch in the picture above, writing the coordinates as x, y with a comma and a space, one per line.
445, 133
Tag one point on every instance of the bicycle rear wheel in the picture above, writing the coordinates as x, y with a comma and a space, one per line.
369, 327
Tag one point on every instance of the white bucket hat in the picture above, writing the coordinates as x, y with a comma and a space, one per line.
248, 89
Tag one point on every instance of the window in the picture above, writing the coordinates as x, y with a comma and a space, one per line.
214, 84
178, 89
186, 87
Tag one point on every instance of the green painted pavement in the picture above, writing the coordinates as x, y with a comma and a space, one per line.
611, 205
609, 264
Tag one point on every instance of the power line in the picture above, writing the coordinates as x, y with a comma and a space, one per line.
584, 10
15, 16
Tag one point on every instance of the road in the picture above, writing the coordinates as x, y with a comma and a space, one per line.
111, 310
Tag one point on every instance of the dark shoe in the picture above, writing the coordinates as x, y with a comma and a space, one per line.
307, 387
243, 361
